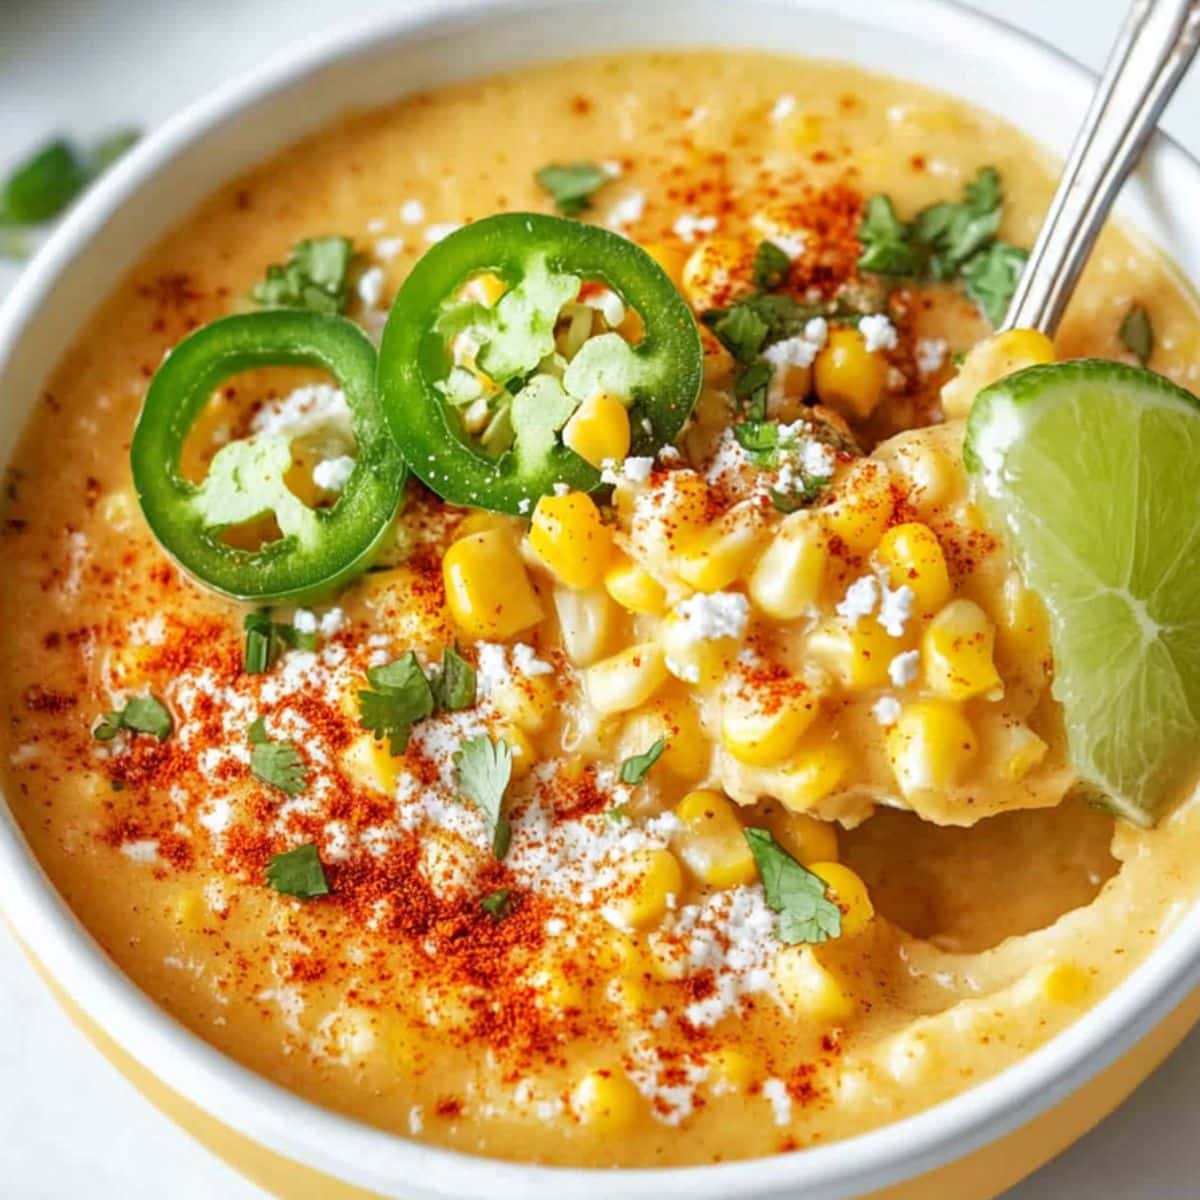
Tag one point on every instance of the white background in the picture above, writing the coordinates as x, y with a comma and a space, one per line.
69, 1125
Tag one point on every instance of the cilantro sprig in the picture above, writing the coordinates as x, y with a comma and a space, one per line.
806, 914
572, 185
635, 768
484, 770
497, 903
770, 266
947, 241
402, 694
142, 714
765, 445
315, 277
276, 763
298, 873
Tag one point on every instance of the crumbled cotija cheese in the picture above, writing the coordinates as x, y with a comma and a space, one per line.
878, 332
712, 615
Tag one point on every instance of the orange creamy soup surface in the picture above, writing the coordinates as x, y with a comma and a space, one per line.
704, 800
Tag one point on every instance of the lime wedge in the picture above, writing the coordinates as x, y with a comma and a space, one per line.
1093, 470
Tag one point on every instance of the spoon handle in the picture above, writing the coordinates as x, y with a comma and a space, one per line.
1152, 54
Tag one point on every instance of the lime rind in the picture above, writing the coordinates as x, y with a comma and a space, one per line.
1092, 469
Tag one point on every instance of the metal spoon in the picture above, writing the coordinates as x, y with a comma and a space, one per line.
1152, 54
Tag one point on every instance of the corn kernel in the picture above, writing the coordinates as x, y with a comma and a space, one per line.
569, 537
523, 753
1014, 750
368, 762
672, 720
1059, 981
808, 988
930, 746
715, 558
786, 582
555, 989
814, 773
630, 992
695, 660
627, 679
598, 430
957, 652
525, 700
992, 359
805, 838
718, 271
671, 257
861, 507
488, 590
849, 377
398, 599
762, 725
913, 557
650, 882
606, 1101
190, 910
126, 666
729, 1070
480, 521
856, 655
714, 847
485, 288
849, 893
1023, 629
587, 623
633, 587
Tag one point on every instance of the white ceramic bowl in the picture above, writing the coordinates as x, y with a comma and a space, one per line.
932, 43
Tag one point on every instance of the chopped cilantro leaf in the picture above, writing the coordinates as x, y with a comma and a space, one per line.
496, 903
635, 768
1137, 334
454, 683
571, 185
886, 242
401, 696
739, 329
749, 326
760, 440
265, 640
143, 714
276, 763
800, 497
618, 812
770, 267
484, 770
751, 387
806, 914
315, 277
991, 278
298, 873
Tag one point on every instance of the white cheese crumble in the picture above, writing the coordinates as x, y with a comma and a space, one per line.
688, 226
443, 229
904, 668
632, 470
895, 609
783, 108
370, 286
710, 615
412, 212
776, 1094
316, 408
331, 474
860, 599
878, 332
627, 211
931, 354
387, 248
144, 851
886, 710
818, 460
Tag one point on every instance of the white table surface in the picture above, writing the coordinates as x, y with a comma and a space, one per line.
69, 1125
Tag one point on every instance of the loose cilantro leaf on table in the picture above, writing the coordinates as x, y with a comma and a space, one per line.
484, 770
276, 763
298, 873
635, 768
1137, 334
142, 714
571, 185
496, 903
806, 914
770, 266
315, 277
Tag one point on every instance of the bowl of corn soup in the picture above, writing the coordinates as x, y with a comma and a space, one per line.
524, 655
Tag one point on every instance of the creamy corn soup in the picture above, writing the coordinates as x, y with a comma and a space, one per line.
732, 814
